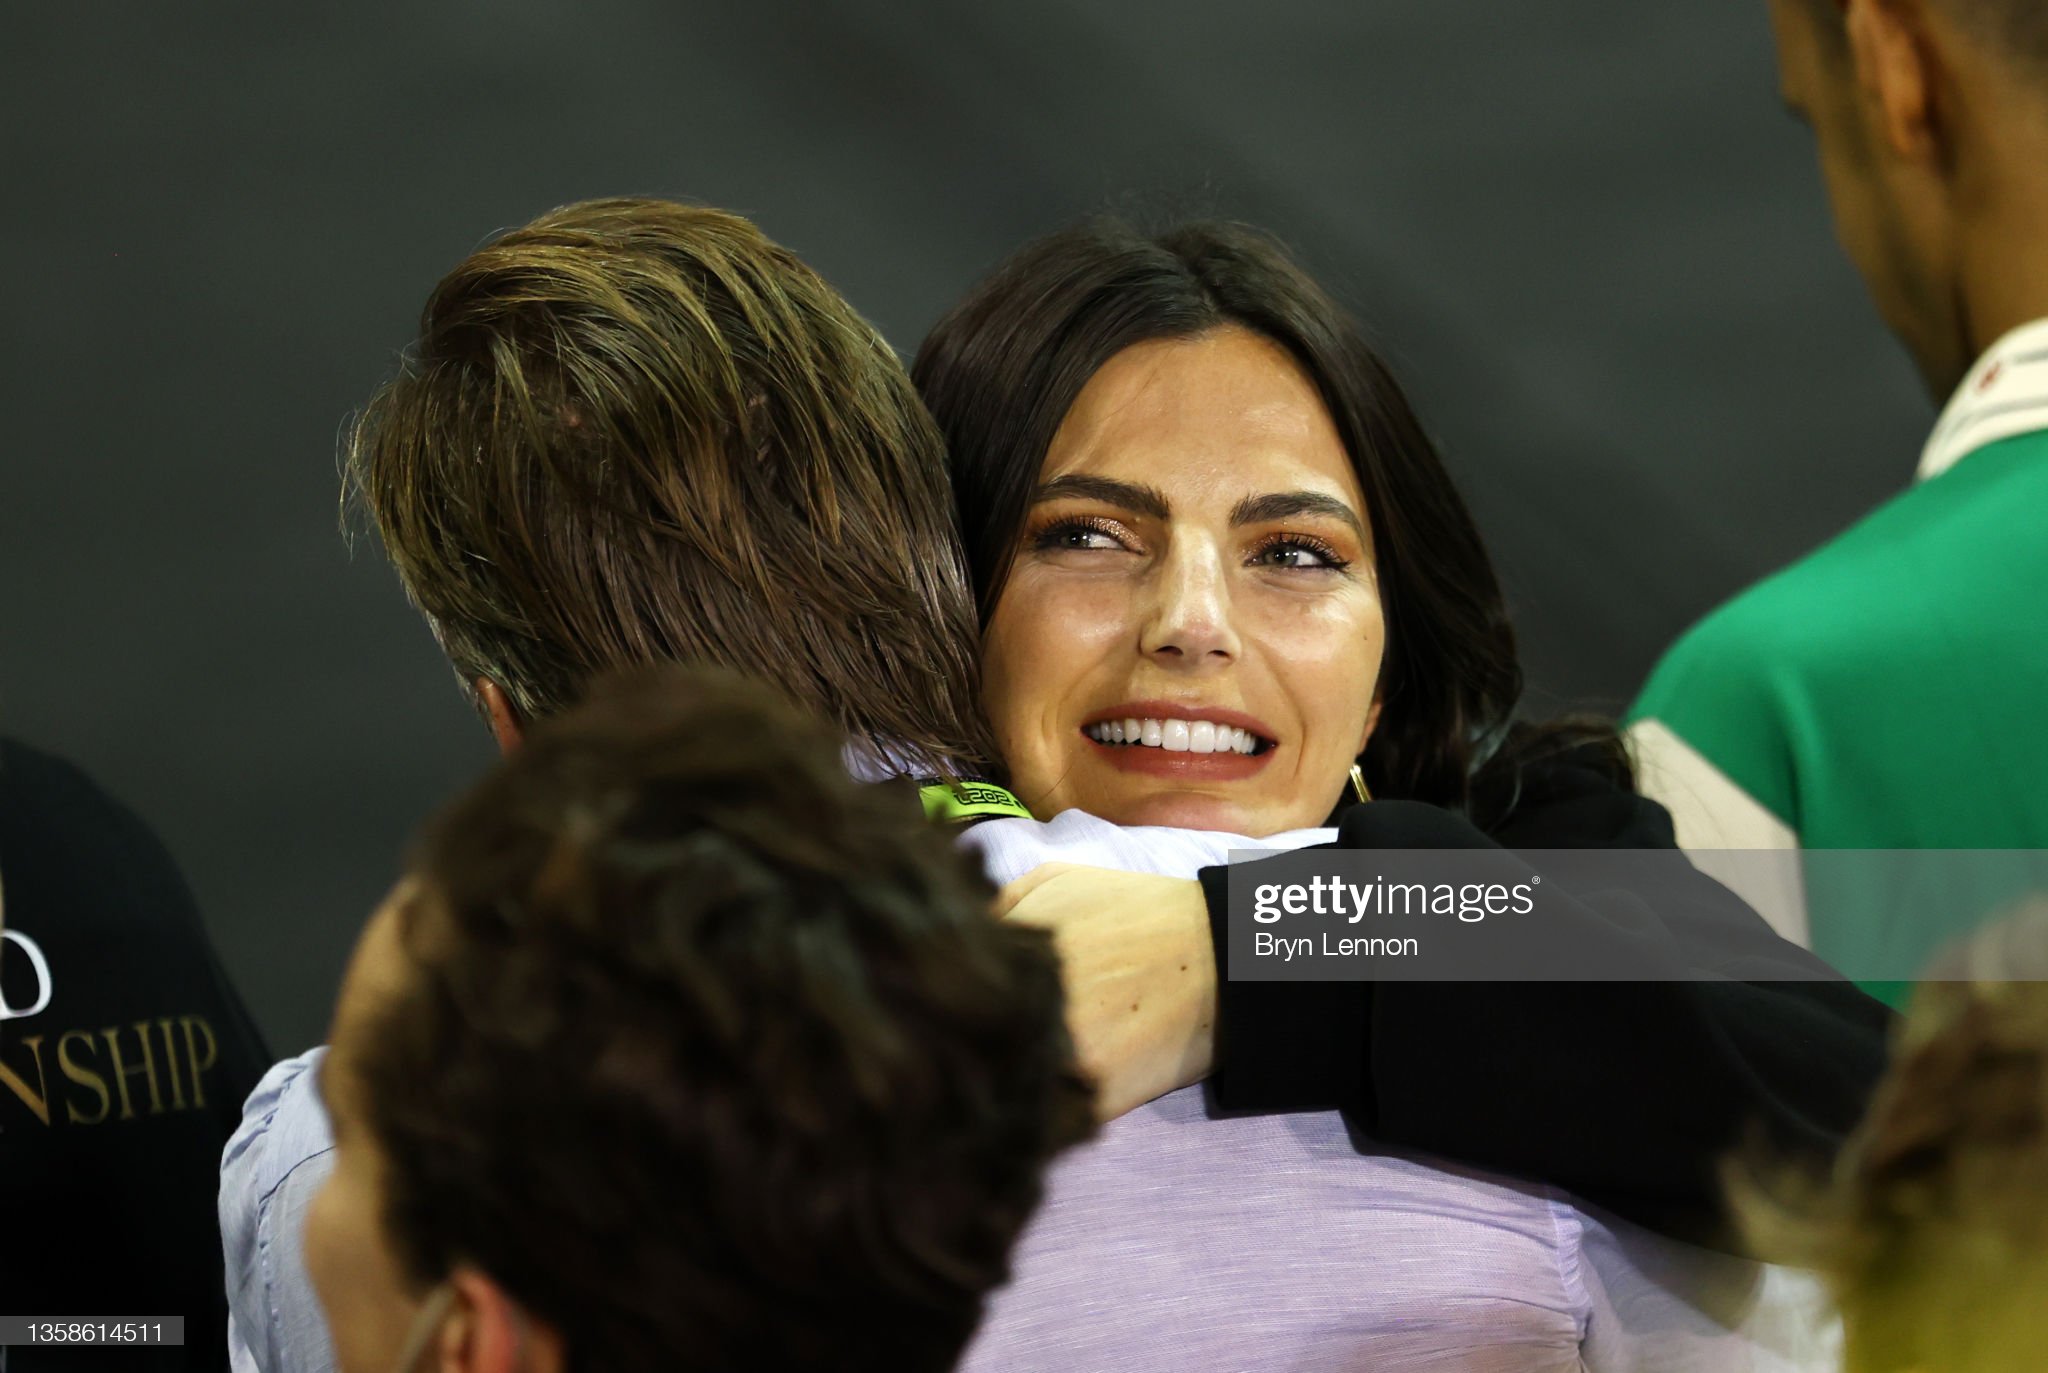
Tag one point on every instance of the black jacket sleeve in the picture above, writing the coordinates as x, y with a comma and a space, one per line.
1629, 1094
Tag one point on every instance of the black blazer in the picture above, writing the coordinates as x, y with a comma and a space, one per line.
1629, 1094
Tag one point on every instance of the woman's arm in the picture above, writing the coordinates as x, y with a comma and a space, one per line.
1628, 1094
1138, 970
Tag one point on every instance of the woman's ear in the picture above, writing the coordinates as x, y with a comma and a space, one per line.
506, 726
1372, 722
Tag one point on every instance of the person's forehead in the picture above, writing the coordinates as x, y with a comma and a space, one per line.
377, 972
1221, 365
1160, 404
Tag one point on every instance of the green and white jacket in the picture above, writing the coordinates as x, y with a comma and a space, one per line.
1887, 691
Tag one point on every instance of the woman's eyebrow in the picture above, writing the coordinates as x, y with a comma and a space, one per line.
1286, 505
1139, 500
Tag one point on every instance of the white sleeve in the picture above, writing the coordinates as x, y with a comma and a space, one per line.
1728, 834
1009, 848
272, 1167
1658, 1306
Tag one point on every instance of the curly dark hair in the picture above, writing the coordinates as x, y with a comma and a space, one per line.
712, 1055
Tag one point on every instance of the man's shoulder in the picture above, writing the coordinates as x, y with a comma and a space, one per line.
1156, 1238
272, 1168
1909, 576
1739, 662
1903, 619
284, 1125
1739, 688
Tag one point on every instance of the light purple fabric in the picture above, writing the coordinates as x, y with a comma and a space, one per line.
1175, 1242
1179, 1244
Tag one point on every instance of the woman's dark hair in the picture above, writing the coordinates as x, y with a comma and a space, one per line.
1002, 369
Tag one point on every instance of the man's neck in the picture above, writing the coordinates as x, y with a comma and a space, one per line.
2004, 265
2010, 287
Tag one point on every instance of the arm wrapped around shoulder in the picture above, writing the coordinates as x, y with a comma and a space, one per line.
1628, 1093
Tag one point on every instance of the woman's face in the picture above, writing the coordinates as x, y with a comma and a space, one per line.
1191, 631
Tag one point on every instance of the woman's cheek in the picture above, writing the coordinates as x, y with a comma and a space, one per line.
1328, 658
1063, 631
1043, 640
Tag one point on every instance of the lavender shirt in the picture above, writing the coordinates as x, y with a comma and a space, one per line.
1174, 1242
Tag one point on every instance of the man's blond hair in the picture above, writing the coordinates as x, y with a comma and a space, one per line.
635, 431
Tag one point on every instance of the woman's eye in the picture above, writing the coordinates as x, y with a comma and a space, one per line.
1297, 553
1076, 535
1086, 538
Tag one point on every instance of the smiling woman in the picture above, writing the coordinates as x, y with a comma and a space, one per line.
1191, 625
1192, 495
1219, 564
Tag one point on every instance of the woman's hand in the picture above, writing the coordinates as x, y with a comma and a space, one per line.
1140, 975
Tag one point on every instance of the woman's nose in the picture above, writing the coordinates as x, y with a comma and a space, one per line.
1189, 624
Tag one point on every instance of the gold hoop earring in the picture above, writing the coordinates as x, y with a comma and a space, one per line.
1358, 783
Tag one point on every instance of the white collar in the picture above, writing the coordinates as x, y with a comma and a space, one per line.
2005, 394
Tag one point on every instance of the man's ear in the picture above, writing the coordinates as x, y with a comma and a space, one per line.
488, 1332
1896, 63
506, 726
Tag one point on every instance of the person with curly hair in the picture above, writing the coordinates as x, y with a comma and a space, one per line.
632, 1073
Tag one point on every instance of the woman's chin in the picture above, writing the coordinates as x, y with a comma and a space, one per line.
1181, 810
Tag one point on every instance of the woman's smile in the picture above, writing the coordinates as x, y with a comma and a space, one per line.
1191, 630
1162, 739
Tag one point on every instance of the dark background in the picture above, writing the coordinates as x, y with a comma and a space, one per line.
1584, 229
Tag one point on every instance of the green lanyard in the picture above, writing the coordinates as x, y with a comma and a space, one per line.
968, 801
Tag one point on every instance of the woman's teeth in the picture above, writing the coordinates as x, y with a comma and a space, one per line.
1175, 736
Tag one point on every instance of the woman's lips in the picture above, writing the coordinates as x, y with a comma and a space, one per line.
1184, 746
1228, 766
1175, 735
